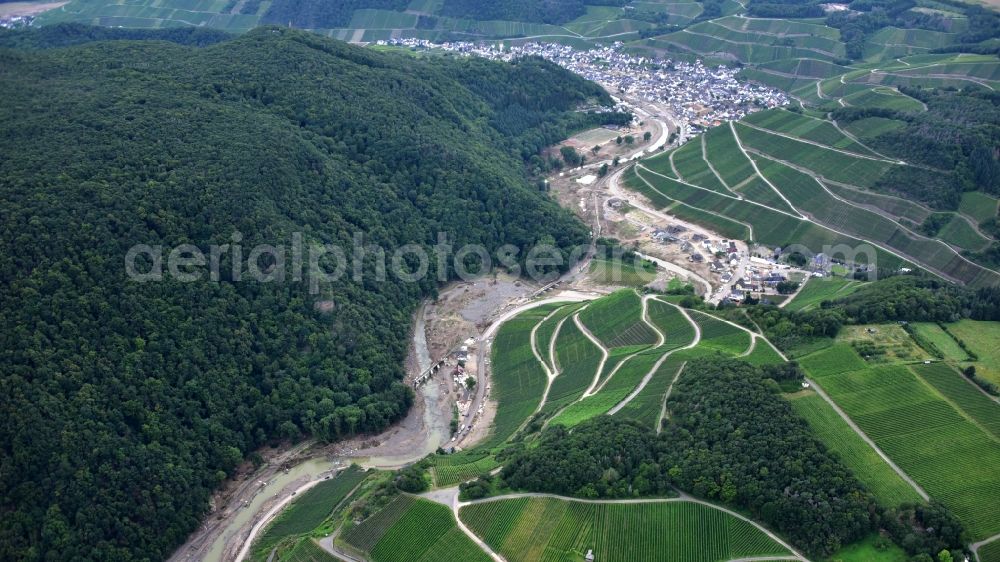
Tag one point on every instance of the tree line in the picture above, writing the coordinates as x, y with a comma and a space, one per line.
732, 439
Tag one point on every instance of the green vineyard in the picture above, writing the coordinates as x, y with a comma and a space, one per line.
534, 529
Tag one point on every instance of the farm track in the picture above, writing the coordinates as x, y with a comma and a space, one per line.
824, 146
974, 547
604, 353
704, 156
906, 477
884, 214
648, 376
656, 189
682, 497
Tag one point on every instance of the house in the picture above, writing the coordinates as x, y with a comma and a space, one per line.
716, 266
590, 556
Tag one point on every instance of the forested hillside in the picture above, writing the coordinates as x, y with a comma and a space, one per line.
125, 404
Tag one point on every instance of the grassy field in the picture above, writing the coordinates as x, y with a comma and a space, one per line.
867, 551
940, 340
412, 529
981, 338
892, 343
310, 509
619, 272
531, 529
864, 462
977, 205
617, 320
819, 289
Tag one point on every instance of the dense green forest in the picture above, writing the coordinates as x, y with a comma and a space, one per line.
125, 404
958, 132
535, 11
69, 34
730, 438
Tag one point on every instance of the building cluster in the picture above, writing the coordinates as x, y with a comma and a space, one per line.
700, 95
15, 22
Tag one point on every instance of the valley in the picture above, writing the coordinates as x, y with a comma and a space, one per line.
779, 342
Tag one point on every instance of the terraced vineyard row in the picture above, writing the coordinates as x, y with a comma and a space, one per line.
310, 509
867, 465
721, 336
616, 320
940, 447
411, 529
531, 529
578, 360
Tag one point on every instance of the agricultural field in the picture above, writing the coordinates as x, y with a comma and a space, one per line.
647, 406
889, 343
864, 462
871, 127
308, 551
763, 354
978, 206
412, 529
981, 338
578, 359
460, 467
152, 14
677, 330
310, 509
547, 328
838, 358
617, 320
721, 336
980, 408
690, 163
942, 447
807, 128
518, 378
611, 392
990, 552
530, 529
819, 289
825, 162
726, 157
621, 273
940, 340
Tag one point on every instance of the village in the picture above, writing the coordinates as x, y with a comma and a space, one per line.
697, 95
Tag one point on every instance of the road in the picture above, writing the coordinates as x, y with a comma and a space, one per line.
456, 505
819, 390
